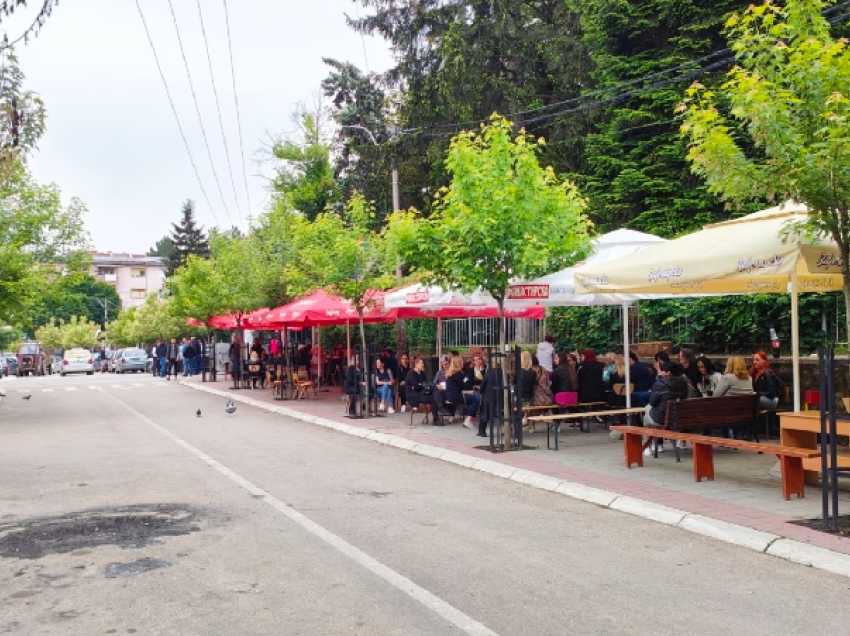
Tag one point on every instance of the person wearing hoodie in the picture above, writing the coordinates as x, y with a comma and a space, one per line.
591, 386
669, 385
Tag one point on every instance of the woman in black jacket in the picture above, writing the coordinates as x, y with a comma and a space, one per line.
353, 377
527, 378
591, 386
456, 383
562, 381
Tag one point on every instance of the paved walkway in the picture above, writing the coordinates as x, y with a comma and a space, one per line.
746, 490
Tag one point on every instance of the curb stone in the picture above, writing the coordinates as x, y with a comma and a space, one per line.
742, 536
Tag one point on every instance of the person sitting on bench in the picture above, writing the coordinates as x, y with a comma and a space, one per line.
669, 385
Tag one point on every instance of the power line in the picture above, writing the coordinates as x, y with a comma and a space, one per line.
198, 111
218, 107
603, 91
236, 100
174, 110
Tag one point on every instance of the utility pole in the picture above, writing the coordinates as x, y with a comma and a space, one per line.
400, 327
104, 302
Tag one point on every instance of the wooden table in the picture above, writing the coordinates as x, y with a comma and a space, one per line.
554, 421
801, 429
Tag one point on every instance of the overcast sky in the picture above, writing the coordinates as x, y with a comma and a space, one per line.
111, 137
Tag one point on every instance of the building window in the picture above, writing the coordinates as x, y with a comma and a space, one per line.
138, 272
138, 294
104, 271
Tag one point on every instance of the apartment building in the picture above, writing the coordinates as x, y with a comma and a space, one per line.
134, 276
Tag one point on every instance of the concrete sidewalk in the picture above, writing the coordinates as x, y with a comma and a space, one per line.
746, 492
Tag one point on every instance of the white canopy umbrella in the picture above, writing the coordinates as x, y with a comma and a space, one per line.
559, 290
758, 253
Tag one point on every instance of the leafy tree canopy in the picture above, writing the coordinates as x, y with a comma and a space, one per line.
790, 95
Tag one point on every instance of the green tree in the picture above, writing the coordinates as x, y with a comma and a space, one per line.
188, 238
119, 331
503, 217
164, 248
303, 170
790, 94
349, 256
76, 332
154, 320
224, 284
75, 295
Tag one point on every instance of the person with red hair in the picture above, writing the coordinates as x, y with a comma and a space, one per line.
591, 386
765, 383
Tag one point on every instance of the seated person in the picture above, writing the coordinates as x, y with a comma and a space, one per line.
527, 378
764, 382
456, 384
476, 373
385, 385
709, 378
415, 384
641, 377
591, 386
669, 385
735, 379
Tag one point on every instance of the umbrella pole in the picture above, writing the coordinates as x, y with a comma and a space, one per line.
319, 358
439, 340
795, 337
626, 354
347, 342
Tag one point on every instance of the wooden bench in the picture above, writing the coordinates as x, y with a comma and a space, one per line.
790, 459
732, 411
555, 421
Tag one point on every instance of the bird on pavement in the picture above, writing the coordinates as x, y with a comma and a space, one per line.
198, 413
27, 396
230, 407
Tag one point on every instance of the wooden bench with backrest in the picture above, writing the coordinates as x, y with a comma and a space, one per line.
790, 459
732, 411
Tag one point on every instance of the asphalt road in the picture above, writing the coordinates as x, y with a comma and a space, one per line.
122, 512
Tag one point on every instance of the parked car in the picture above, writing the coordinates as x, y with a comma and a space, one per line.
131, 360
12, 364
77, 361
105, 361
114, 359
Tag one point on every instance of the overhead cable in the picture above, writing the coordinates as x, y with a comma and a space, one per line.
174, 110
198, 111
218, 107
236, 100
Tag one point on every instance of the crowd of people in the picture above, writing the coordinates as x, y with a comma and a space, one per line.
559, 379
170, 359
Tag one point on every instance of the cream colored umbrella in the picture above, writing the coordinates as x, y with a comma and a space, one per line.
758, 253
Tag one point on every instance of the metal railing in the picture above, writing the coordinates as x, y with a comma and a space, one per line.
462, 333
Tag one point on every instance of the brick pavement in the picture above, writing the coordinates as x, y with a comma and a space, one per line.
746, 490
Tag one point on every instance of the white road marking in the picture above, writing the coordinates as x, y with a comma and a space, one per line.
70, 388
47, 390
93, 387
453, 615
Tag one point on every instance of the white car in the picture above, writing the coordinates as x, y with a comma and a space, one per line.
77, 361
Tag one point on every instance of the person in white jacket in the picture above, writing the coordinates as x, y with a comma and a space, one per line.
546, 353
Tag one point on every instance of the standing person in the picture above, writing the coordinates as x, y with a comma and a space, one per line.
527, 378
353, 378
546, 353
275, 346
162, 356
235, 356
154, 359
562, 379
189, 355
172, 355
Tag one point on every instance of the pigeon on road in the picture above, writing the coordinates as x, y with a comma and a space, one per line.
198, 413
230, 407
27, 396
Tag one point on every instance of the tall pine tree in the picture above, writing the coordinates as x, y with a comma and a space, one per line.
188, 238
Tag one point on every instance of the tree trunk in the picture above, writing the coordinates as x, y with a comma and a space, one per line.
846, 289
507, 427
365, 358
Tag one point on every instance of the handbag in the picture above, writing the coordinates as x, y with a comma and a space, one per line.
566, 398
